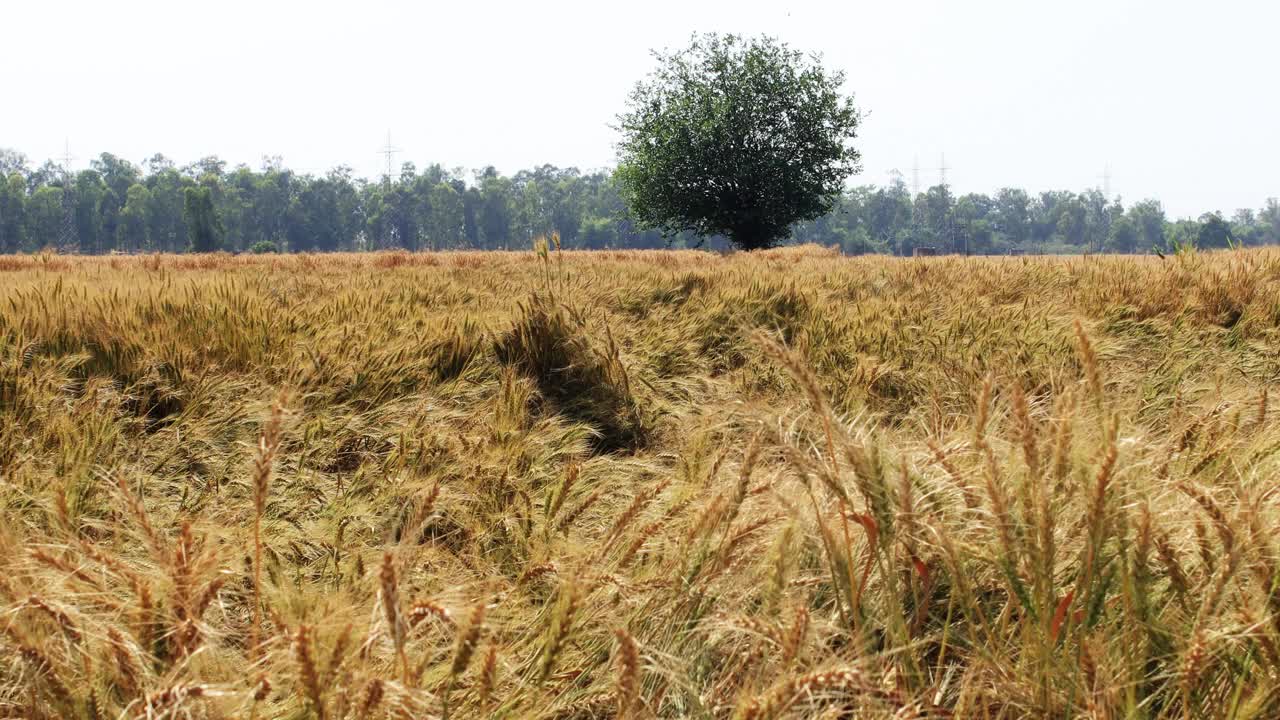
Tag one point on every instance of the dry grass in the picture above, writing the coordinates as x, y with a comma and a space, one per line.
640, 484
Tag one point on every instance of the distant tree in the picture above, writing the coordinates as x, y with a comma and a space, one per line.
445, 218
109, 207
971, 225
275, 186
402, 216
87, 196
1214, 232
210, 167
158, 163
117, 173
471, 202
734, 136
49, 173
495, 216
599, 233
1183, 233
131, 231
44, 216
13, 215
1124, 235
1099, 214
1013, 215
933, 215
203, 226
1149, 221
166, 225
1246, 228
1073, 221
888, 213
1269, 220
12, 161
318, 218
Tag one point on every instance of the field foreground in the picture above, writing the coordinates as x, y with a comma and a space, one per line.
671, 484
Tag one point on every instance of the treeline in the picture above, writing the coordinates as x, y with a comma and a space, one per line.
890, 220
117, 206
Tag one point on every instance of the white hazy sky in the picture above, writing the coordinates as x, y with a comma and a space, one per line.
1179, 98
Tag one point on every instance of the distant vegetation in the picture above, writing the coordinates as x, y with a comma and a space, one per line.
775, 485
115, 205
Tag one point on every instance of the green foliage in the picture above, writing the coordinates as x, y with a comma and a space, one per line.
132, 230
1214, 232
203, 224
740, 137
117, 206
1124, 236
12, 213
263, 246
44, 216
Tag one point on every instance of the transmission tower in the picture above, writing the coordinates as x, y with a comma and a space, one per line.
948, 229
389, 151
67, 157
67, 240
941, 170
1106, 182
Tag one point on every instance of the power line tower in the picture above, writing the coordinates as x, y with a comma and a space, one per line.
948, 228
67, 157
67, 240
388, 151
1106, 200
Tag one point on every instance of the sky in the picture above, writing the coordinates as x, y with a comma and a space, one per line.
1178, 99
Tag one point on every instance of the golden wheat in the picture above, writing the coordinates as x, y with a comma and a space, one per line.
646, 484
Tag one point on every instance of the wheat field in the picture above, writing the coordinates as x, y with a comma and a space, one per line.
639, 484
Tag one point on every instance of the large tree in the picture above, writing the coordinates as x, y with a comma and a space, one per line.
740, 137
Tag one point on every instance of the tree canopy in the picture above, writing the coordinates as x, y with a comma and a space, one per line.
202, 219
740, 137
